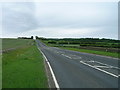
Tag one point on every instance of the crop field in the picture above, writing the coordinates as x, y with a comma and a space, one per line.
24, 66
14, 43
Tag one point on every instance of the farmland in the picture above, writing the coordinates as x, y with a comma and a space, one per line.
14, 43
107, 47
22, 67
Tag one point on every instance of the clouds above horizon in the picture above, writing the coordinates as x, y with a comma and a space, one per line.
18, 17
63, 19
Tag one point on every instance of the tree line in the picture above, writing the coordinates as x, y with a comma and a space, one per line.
25, 37
95, 42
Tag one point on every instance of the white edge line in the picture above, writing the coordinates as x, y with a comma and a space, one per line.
99, 69
53, 75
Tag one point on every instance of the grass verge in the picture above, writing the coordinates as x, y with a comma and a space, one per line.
0, 71
23, 68
93, 52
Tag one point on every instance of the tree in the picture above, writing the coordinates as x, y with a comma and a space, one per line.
36, 37
31, 37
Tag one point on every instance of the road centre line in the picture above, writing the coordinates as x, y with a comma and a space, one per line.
100, 69
102, 66
71, 57
66, 56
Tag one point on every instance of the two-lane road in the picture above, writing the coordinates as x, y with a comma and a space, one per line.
81, 70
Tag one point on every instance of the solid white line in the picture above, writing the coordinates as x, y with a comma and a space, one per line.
99, 69
53, 75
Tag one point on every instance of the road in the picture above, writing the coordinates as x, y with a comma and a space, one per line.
81, 70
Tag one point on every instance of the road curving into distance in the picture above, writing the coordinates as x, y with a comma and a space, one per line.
81, 70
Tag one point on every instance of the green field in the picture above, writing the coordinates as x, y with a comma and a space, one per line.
14, 43
93, 52
23, 67
93, 42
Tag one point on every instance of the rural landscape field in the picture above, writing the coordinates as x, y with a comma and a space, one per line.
59, 44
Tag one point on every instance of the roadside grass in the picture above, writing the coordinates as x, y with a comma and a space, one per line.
0, 71
14, 43
23, 68
0, 43
93, 52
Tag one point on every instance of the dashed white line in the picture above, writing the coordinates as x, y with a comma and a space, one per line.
90, 61
71, 56
102, 66
99, 69
66, 56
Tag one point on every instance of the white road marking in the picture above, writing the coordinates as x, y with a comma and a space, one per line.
104, 64
108, 65
99, 69
75, 57
90, 61
71, 56
66, 56
53, 75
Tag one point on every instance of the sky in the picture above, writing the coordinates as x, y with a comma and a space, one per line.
60, 19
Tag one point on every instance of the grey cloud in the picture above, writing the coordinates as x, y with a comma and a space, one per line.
77, 15
61, 19
18, 17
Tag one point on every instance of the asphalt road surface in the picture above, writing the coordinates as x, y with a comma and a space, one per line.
81, 70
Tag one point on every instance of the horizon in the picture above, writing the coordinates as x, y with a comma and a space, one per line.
34, 37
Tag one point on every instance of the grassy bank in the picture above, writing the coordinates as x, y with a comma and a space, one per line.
23, 68
93, 52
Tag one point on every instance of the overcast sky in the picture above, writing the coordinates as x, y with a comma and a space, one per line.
60, 19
